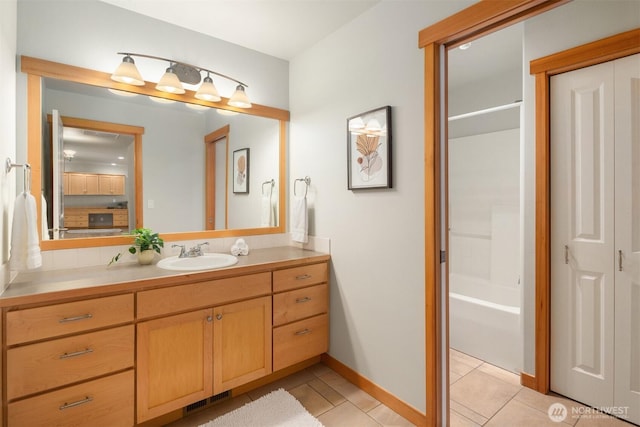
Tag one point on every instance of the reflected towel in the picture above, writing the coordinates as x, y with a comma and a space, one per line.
44, 233
299, 220
266, 213
25, 249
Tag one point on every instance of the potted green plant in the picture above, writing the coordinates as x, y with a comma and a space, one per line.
146, 243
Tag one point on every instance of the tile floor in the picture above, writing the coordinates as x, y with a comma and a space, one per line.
481, 395
484, 395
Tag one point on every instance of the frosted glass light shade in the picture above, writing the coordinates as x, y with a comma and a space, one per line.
208, 91
239, 98
128, 73
170, 83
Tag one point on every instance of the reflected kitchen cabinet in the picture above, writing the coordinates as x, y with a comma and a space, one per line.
82, 184
90, 184
111, 185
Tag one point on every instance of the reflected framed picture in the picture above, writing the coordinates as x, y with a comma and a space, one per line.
369, 150
241, 171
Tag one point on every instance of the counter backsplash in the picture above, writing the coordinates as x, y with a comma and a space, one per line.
87, 257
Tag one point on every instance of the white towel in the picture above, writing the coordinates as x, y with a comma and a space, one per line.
44, 233
25, 249
299, 220
266, 212
240, 247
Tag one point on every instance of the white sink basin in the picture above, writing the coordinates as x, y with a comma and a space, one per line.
208, 261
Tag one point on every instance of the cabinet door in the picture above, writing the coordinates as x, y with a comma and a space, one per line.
112, 185
174, 363
117, 185
92, 184
242, 343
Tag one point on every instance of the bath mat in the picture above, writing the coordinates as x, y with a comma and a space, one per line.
276, 409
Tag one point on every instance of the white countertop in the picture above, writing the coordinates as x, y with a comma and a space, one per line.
39, 286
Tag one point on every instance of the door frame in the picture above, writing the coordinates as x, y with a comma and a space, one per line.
597, 52
477, 20
210, 141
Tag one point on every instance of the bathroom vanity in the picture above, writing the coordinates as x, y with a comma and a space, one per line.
122, 345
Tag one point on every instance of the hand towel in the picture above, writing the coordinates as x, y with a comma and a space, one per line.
44, 233
299, 220
240, 247
25, 249
266, 211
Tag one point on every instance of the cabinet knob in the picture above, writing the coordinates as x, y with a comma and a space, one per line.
209, 318
219, 316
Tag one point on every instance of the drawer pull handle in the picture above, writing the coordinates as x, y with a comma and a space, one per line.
303, 332
74, 404
303, 277
76, 318
303, 299
76, 353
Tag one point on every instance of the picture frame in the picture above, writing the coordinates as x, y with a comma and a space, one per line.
369, 142
241, 171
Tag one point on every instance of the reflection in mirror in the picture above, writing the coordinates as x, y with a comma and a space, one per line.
97, 171
174, 196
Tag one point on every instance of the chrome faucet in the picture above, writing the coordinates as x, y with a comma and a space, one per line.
183, 254
196, 250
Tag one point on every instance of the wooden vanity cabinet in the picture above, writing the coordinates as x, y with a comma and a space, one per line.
300, 314
120, 360
71, 363
174, 362
187, 357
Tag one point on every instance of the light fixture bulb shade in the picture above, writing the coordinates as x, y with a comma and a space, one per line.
128, 73
208, 91
170, 83
240, 98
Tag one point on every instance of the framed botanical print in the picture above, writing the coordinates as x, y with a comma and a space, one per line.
241, 171
369, 150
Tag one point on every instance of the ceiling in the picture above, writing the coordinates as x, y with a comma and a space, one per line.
280, 28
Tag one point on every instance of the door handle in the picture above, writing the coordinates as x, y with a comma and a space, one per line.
620, 260
566, 254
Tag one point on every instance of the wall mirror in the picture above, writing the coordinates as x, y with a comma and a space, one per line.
172, 173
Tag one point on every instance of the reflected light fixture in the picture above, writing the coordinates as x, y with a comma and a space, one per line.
68, 154
177, 74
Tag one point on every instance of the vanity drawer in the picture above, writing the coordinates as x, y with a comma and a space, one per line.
300, 341
158, 302
292, 278
104, 402
60, 319
38, 367
300, 303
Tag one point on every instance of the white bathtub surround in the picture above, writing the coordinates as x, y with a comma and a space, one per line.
484, 321
484, 246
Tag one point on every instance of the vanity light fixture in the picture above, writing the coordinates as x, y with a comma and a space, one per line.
178, 73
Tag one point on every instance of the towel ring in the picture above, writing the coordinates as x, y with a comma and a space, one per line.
307, 182
272, 182
26, 171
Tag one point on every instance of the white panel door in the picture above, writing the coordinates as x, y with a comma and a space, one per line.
582, 235
627, 298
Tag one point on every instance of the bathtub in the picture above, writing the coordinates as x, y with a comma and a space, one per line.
484, 321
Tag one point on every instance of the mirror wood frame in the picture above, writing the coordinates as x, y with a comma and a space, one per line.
477, 20
36, 69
